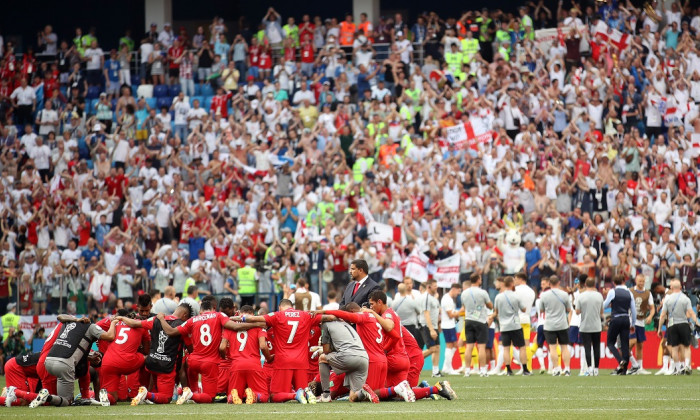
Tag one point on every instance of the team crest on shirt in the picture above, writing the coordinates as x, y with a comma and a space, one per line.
162, 338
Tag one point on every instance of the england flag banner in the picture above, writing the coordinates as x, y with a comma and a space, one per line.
447, 271
417, 267
468, 134
613, 36
380, 233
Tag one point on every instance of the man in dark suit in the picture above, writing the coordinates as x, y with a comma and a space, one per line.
359, 289
317, 259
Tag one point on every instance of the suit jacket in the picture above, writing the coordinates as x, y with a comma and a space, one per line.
321, 261
362, 295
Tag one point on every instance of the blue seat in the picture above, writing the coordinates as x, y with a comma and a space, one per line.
135, 80
200, 98
152, 102
90, 106
207, 90
160, 91
165, 102
198, 89
134, 90
175, 90
207, 102
93, 92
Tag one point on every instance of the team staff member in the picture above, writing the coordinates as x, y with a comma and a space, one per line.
430, 308
589, 305
476, 301
407, 308
644, 304
506, 309
556, 305
623, 311
527, 296
677, 309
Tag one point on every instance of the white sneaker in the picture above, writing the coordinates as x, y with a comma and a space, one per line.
325, 398
661, 371
670, 372
461, 370
556, 372
140, 397
502, 372
403, 389
10, 396
186, 395
494, 371
104, 398
484, 374
643, 371
520, 372
310, 397
467, 372
38, 401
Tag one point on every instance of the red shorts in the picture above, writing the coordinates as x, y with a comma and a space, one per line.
337, 387
313, 368
114, 369
288, 380
164, 384
416, 360
224, 375
267, 373
397, 369
376, 374
255, 379
210, 375
48, 381
25, 378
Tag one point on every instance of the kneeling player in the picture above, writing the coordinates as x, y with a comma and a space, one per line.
20, 375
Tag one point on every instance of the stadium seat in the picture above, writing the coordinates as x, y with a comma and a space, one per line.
174, 90
207, 102
144, 91
152, 102
93, 92
134, 90
207, 90
198, 89
200, 98
160, 91
90, 106
164, 102
135, 80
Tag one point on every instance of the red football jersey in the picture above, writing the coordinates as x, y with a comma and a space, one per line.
244, 348
50, 340
103, 346
410, 342
393, 345
126, 342
206, 335
369, 330
268, 335
291, 338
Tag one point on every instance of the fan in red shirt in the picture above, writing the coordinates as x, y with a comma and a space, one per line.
244, 349
291, 344
372, 336
219, 103
122, 358
206, 331
163, 355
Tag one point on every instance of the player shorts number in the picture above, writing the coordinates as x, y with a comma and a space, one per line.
205, 335
295, 325
379, 331
122, 337
242, 338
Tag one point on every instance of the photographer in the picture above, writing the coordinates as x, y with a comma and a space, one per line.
676, 308
14, 345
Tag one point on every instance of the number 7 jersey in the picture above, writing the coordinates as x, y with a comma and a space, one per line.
291, 338
205, 330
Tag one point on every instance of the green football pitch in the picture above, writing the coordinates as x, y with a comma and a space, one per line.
517, 397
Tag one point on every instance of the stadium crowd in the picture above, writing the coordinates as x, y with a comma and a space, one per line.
251, 171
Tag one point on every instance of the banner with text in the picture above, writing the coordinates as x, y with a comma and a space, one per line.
447, 271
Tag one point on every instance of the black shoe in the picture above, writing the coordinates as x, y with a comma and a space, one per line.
633, 371
527, 373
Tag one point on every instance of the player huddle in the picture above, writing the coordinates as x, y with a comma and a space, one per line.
308, 357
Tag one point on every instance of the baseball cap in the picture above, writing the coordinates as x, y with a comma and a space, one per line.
11, 306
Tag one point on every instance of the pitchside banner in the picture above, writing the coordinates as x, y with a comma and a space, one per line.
653, 354
27, 323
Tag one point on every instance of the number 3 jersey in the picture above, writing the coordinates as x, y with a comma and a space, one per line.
291, 338
205, 330
165, 351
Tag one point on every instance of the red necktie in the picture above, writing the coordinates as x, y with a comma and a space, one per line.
357, 286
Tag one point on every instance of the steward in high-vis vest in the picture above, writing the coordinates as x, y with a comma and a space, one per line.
347, 31
470, 46
247, 278
454, 59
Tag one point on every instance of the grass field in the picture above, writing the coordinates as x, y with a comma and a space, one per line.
516, 397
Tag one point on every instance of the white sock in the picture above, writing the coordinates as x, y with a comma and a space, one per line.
584, 365
516, 356
633, 361
641, 364
436, 369
665, 365
687, 361
447, 363
679, 365
499, 362
540, 357
483, 369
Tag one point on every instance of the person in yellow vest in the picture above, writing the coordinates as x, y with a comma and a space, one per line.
470, 46
362, 165
247, 282
292, 31
454, 59
504, 49
347, 31
9, 320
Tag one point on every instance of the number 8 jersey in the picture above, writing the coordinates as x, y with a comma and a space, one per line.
205, 330
291, 339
